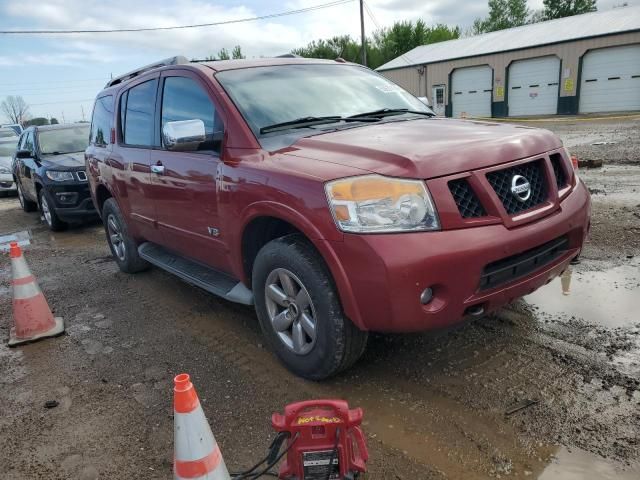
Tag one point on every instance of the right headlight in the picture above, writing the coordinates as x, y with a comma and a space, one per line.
4, 170
377, 204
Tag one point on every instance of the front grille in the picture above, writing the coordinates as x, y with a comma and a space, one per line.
466, 200
558, 171
6, 184
511, 268
533, 172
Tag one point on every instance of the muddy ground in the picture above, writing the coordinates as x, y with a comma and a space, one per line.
435, 403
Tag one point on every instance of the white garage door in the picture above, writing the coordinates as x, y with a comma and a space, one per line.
471, 91
610, 80
533, 86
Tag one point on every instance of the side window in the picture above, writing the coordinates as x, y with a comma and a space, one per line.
138, 121
123, 110
28, 143
102, 121
21, 141
184, 99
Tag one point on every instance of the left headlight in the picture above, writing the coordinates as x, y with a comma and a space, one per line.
59, 176
377, 204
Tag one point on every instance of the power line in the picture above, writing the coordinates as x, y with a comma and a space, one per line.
64, 101
148, 29
375, 22
47, 82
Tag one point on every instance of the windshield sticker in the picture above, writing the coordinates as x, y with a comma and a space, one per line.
389, 88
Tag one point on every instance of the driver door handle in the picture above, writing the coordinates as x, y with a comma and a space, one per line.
158, 168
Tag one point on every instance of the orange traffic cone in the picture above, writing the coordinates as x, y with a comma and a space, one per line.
196, 453
32, 316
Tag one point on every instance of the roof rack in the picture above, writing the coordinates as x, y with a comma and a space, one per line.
177, 60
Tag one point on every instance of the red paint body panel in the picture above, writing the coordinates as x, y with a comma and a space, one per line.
379, 277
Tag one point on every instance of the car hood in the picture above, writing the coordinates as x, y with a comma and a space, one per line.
426, 148
65, 161
5, 161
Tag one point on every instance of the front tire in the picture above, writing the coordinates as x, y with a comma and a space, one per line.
27, 205
299, 310
49, 214
123, 247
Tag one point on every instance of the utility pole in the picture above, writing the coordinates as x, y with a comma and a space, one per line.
363, 40
82, 108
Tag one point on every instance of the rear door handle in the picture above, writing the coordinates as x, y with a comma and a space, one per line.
159, 169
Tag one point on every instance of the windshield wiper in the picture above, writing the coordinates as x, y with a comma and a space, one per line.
386, 112
311, 121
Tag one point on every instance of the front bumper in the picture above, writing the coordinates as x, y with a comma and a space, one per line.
6, 183
71, 201
386, 274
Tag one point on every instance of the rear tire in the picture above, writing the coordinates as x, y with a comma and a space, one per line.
123, 247
49, 214
301, 316
27, 205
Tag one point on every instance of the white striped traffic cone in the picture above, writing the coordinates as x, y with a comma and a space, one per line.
32, 316
196, 453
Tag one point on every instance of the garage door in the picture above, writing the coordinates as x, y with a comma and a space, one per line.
471, 91
533, 86
610, 80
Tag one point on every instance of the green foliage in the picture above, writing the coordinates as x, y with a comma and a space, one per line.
223, 54
502, 14
385, 44
567, 8
36, 121
54, 121
236, 53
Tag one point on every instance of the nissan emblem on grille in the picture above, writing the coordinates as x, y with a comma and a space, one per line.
520, 188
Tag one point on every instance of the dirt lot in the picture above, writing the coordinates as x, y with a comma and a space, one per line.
435, 403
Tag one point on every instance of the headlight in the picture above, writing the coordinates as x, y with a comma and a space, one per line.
373, 203
4, 170
59, 176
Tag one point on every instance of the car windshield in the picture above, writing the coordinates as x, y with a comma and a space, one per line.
7, 148
8, 133
64, 140
271, 95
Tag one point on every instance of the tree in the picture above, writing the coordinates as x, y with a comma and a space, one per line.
385, 44
223, 54
567, 8
236, 53
502, 14
36, 121
15, 109
54, 121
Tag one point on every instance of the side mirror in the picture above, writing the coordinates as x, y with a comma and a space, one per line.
183, 135
23, 154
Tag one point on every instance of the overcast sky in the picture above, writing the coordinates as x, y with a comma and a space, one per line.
59, 75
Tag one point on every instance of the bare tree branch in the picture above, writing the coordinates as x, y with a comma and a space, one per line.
15, 109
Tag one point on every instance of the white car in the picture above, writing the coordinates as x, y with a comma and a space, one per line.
7, 149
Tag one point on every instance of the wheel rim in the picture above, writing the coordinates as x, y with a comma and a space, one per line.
115, 237
291, 311
45, 210
20, 197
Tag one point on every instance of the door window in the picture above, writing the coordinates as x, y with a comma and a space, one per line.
102, 121
184, 99
139, 111
28, 143
439, 96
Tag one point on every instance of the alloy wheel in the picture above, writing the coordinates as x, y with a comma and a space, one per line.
291, 311
115, 237
46, 212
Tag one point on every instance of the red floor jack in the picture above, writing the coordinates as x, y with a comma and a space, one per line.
324, 441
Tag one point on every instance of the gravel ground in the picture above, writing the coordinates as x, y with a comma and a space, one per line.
435, 403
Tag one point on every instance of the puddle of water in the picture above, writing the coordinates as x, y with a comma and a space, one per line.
580, 465
23, 238
610, 298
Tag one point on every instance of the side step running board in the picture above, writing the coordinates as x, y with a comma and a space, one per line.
196, 274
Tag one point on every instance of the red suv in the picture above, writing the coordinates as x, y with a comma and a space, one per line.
329, 197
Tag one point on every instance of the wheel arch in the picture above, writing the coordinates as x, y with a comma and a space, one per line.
270, 221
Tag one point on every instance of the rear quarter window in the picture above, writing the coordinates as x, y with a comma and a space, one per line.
102, 121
